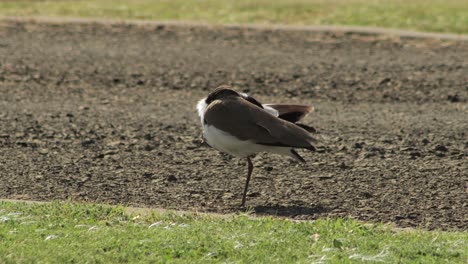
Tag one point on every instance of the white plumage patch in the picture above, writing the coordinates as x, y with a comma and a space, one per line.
270, 110
201, 107
227, 143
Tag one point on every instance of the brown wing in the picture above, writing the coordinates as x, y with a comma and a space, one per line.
249, 122
291, 113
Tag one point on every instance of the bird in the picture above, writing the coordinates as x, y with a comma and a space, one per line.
238, 124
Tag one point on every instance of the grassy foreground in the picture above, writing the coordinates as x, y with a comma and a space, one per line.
66, 232
424, 15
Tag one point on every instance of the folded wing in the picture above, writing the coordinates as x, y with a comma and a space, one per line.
246, 121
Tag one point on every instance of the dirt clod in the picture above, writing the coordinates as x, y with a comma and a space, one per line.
171, 178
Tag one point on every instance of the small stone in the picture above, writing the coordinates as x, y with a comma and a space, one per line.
425, 141
113, 143
149, 147
32, 144
441, 148
357, 145
19, 135
43, 151
22, 143
453, 98
387, 141
385, 81
88, 142
399, 217
172, 178
343, 166
110, 152
254, 194
114, 157
227, 196
190, 147
84, 179
320, 149
375, 149
406, 149
325, 177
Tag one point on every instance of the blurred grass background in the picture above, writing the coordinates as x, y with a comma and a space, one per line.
422, 15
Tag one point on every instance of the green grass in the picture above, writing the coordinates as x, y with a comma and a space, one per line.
67, 233
424, 15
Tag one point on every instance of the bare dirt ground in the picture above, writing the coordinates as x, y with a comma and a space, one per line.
106, 113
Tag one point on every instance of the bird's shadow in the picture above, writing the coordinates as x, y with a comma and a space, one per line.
288, 211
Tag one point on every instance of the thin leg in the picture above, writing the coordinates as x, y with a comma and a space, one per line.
249, 173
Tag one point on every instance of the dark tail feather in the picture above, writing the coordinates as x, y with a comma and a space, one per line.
307, 128
311, 148
297, 155
292, 117
291, 113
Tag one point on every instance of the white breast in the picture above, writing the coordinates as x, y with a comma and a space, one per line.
227, 143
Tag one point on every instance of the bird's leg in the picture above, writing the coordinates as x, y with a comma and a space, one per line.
249, 173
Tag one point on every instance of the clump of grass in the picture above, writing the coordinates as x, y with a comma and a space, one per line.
430, 15
67, 232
